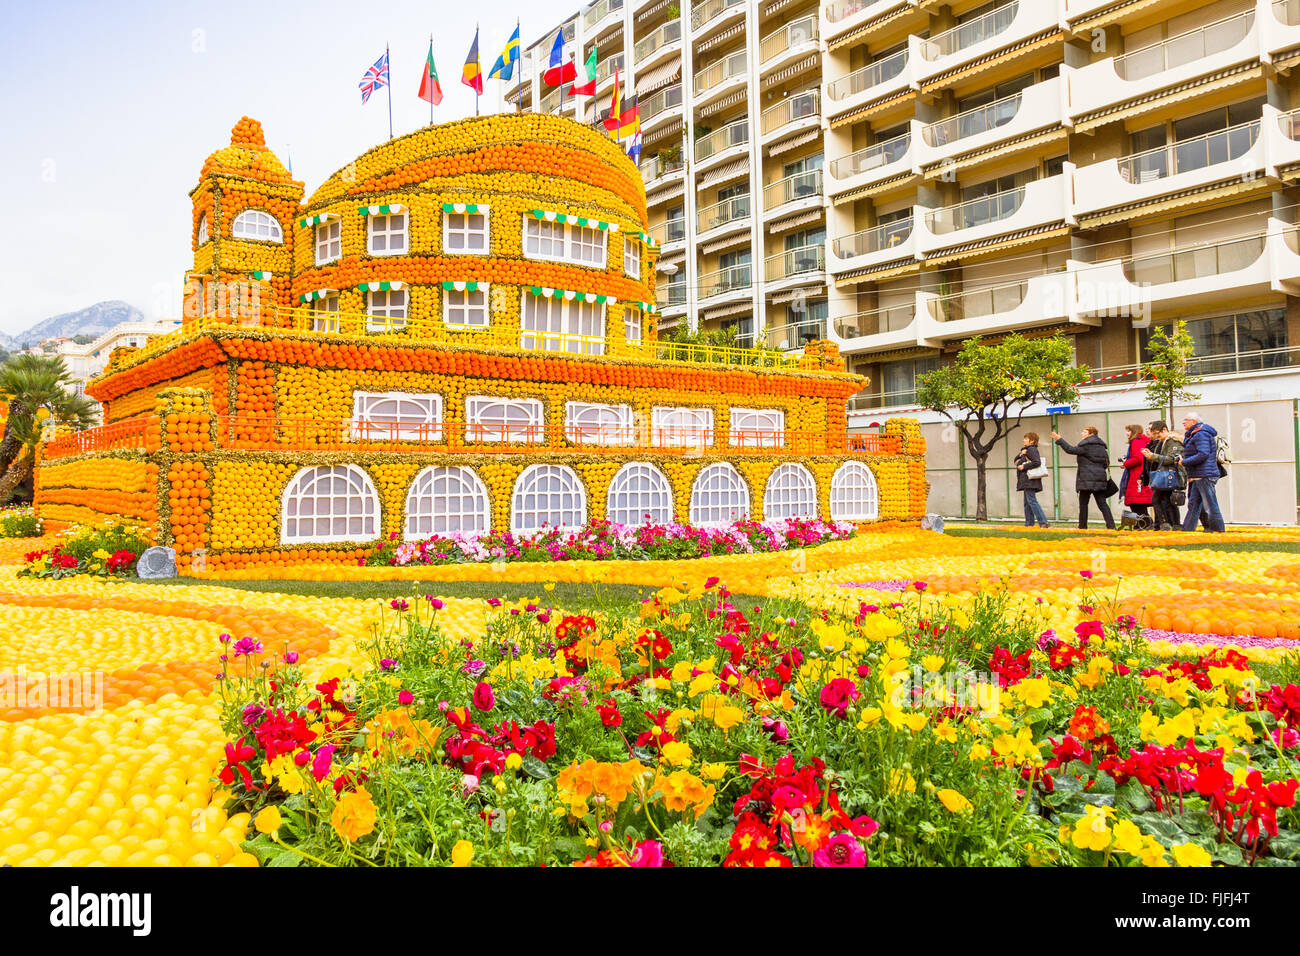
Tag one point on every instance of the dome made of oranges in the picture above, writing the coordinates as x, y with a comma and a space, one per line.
246, 156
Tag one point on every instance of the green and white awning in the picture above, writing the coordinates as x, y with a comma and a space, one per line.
381, 286
569, 295
261, 276
469, 207
648, 239
565, 219
318, 294
463, 286
382, 210
317, 220
648, 307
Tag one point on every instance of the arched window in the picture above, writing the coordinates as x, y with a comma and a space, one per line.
550, 495
791, 493
329, 503
255, 224
202, 235
640, 494
719, 495
854, 496
444, 501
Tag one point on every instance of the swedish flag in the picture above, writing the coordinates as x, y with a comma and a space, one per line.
505, 64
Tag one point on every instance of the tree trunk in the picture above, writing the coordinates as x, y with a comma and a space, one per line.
18, 472
10, 446
981, 489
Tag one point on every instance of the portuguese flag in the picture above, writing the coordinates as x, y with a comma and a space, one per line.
430, 88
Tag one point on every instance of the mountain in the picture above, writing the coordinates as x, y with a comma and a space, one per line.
92, 320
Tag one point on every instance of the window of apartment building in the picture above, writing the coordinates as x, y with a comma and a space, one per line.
406, 416
329, 241
1055, 165
741, 329
806, 320
386, 234
387, 310
733, 203
675, 223
898, 379
1194, 142
492, 418
1001, 107
1199, 33
1237, 342
559, 325
992, 200
675, 288
1213, 242
466, 308
465, 233
801, 178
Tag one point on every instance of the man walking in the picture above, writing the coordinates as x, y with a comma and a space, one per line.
1201, 459
1162, 455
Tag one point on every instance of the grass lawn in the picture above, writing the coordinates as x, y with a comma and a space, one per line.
1217, 544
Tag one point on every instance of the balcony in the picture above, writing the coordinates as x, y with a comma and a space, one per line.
881, 330
660, 107
1038, 107
658, 169
996, 30
795, 335
708, 15
880, 80
723, 217
601, 14
557, 102
1039, 203
890, 242
796, 266
669, 231
788, 43
733, 282
1280, 26
873, 164
674, 297
729, 140
657, 46
843, 16
1013, 306
792, 193
729, 73
797, 111
1182, 58
608, 67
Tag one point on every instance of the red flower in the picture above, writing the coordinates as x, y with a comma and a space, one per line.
237, 755
839, 695
610, 715
484, 697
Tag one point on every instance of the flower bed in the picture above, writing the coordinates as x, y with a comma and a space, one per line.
109, 550
19, 523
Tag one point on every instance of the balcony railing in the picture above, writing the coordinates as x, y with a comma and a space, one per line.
718, 73
796, 106
1221, 146
660, 101
803, 30
722, 213
709, 10
1223, 257
674, 294
806, 185
128, 434
660, 165
670, 32
994, 300
873, 74
733, 134
608, 66
869, 401
837, 10
670, 230
871, 157
796, 262
967, 34
1287, 11
722, 281
1289, 123
795, 335
1185, 47
1227, 363
876, 239
597, 11
875, 322
976, 212
972, 122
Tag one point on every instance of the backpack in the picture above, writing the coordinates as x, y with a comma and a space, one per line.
1223, 452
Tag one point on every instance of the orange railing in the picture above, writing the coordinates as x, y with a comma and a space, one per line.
877, 444
130, 434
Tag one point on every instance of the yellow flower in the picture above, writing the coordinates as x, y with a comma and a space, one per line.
1033, 691
1091, 831
1189, 854
932, 662
1153, 854
462, 853
868, 717
354, 815
267, 820
914, 722
682, 672
954, 801
978, 751
514, 761
945, 732
701, 684
713, 771
900, 782
1128, 838
676, 753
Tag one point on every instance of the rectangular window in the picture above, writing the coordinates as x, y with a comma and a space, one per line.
590, 423
465, 233
387, 234
329, 241
631, 258
583, 245
325, 317
491, 418
757, 428
466, 309
675, 425
1228, 344
396, 416
632, 324
387, 311
558, 325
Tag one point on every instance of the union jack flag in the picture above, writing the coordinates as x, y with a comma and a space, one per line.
376, 77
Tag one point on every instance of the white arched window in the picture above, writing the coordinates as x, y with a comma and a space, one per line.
444, 501
675, 425
757, 427
255, 224
791, 493
719, 495
854, 496
202, 235
550, 495
397, 416
592, 423
640, 494
329, 503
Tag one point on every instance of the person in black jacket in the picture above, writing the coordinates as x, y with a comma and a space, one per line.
1092, 478
1026, 461
1162, 454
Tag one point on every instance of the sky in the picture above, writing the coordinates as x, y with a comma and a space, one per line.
124, 100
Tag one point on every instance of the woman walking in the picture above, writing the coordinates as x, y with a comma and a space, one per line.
1091, 479
1028, 460
1136, 495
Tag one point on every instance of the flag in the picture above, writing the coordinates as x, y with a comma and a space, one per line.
505, 64
472, 74
561, 70
588, 88
634, 151
629, 120
611, 118
430, 88
376, 77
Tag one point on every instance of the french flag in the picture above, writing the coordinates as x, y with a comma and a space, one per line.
560, 70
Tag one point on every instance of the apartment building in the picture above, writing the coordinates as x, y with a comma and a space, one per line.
900, 175
85, 362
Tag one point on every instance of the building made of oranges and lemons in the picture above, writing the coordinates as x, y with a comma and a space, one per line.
456, 332
897, 176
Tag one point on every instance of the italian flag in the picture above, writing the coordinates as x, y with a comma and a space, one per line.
430, 88
588, 88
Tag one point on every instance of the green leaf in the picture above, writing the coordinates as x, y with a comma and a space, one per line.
535, 768
285, 858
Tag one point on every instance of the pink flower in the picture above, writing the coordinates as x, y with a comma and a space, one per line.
405, 697
1085, 574
484, 698
838, 695
920, 585
841, 850
648, 853
320, 767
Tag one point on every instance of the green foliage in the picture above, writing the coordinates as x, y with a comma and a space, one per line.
1166, 372
110, 550
19, 523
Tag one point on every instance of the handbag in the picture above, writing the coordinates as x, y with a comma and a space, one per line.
1111, 488
1039, 472
1164, 480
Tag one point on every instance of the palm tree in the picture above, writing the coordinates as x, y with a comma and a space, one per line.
31, 383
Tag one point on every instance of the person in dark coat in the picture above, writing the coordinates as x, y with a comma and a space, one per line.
1092, 477
1201, 459
1026, 461
1133, 493
1162, 454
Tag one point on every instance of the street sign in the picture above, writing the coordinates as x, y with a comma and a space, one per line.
1059, 409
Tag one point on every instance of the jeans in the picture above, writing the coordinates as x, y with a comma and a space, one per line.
1201, 495
1166, 512
1101, 504
1034, 511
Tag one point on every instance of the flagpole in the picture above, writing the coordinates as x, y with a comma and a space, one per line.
388, 60
426, 71
519, 93
478, 65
